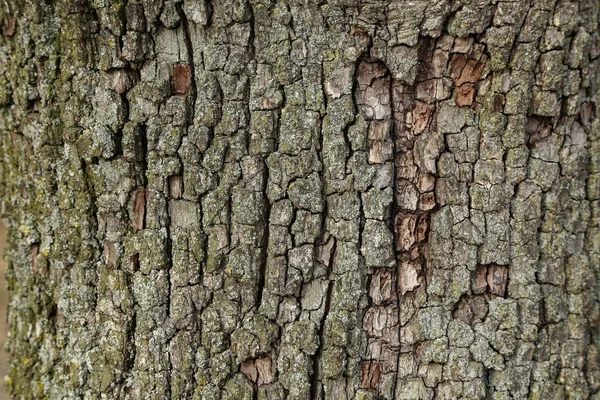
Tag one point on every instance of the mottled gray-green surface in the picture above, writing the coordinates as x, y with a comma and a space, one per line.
301, 199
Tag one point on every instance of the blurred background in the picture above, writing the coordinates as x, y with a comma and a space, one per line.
3, 321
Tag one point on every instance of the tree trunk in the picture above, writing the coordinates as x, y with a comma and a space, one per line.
302, 199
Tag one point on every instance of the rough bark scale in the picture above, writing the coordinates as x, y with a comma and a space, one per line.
302, 199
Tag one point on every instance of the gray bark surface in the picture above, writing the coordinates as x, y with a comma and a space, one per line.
301, 199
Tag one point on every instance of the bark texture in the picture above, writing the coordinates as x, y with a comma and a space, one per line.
292, 199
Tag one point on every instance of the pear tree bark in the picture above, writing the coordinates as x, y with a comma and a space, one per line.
301, 199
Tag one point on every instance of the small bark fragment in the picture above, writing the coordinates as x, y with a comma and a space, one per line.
409, 276
421, 117
470, 73
405, 228
465, 95
259, 371
497, 278
175, 186
110, 254
479, 284
379, 143
370, 375
121, 80
382, 286
457, 64
326, 251
139, 217
182, 78
427, 201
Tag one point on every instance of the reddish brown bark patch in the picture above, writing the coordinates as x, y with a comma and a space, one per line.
182, 78
370, 375
421, 116
490, 278
465, 72
465, 95
470, 73
457, 64
259, 371
479, 283
139, 212
497, 278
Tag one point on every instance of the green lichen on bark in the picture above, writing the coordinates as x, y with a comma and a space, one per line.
301, 199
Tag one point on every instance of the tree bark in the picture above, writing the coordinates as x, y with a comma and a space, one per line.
302, 199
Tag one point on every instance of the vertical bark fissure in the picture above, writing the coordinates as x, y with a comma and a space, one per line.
392, 227
190, 59
316, 376
268, 224
262, 270
374, 97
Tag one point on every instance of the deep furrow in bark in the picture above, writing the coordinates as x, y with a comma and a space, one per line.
335, 201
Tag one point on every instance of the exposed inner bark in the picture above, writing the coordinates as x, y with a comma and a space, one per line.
301, 200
